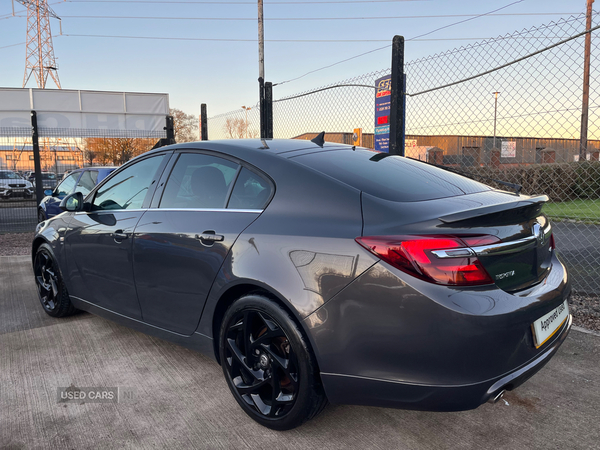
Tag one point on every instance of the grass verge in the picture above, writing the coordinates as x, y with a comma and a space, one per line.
579, 210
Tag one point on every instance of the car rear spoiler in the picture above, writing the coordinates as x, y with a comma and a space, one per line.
491, 209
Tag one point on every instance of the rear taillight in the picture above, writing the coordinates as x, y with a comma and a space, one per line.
437, 259
552, 243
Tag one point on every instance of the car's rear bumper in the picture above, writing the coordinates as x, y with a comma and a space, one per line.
390, 340
358, 390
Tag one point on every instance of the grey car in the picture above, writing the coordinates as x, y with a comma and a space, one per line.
12, 185
316, 272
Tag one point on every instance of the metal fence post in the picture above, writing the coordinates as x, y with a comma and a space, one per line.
170, 131
398, 98
39, 189
583, 136
269, 110
261, 96
203, 122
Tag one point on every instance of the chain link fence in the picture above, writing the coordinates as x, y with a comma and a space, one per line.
239, 124
17, 197
61, 151
510, 109
507, 108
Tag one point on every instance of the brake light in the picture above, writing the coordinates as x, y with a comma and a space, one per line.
552, 243
414, 255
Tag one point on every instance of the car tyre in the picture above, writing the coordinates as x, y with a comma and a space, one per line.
52, 291
268, 364
41, 216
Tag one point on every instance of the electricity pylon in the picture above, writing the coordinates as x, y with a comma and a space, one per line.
39, 58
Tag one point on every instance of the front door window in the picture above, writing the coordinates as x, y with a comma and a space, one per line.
128, 189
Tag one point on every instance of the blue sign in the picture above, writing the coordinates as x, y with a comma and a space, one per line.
383, 97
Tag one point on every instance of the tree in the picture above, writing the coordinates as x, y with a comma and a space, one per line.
236, 128
115, 151
185, 125
89, 156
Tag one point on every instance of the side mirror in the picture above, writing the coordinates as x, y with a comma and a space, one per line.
48, 192
72, 202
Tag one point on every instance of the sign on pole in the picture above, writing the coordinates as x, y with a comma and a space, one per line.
382, 113
509, 149
357, 137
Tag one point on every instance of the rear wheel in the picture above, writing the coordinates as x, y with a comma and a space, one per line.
268, 365
51, 290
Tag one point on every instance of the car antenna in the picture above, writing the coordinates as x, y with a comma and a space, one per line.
320, 139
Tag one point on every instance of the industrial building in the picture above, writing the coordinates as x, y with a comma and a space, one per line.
53, 158
482, 150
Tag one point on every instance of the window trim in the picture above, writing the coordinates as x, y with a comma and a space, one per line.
252, 211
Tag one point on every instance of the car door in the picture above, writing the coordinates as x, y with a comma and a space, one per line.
182, 241
99, 242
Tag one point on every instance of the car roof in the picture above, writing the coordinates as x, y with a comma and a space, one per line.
83, 169
281, 147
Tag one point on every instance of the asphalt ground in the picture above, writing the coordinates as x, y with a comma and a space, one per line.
171, 397
578, 246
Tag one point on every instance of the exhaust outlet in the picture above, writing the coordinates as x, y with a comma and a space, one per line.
497, 397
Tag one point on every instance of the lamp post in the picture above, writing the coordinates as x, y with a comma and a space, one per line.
246, 109
495, 114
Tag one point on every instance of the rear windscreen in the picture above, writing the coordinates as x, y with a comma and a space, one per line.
390, 177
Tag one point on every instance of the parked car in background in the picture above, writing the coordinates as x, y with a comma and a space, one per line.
79, 180
12, 185
49, 179
315, 271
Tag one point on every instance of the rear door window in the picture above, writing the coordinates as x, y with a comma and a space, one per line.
251, 191
390, 177
199, 181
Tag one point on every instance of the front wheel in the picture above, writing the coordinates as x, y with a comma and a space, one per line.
51, 290
41, 216
268, 364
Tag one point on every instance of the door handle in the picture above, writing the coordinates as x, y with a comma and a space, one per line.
208, 238
119, 236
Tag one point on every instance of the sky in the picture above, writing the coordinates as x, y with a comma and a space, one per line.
201, 51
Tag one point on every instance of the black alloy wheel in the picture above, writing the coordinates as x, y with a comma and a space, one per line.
267, 364
51, 290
